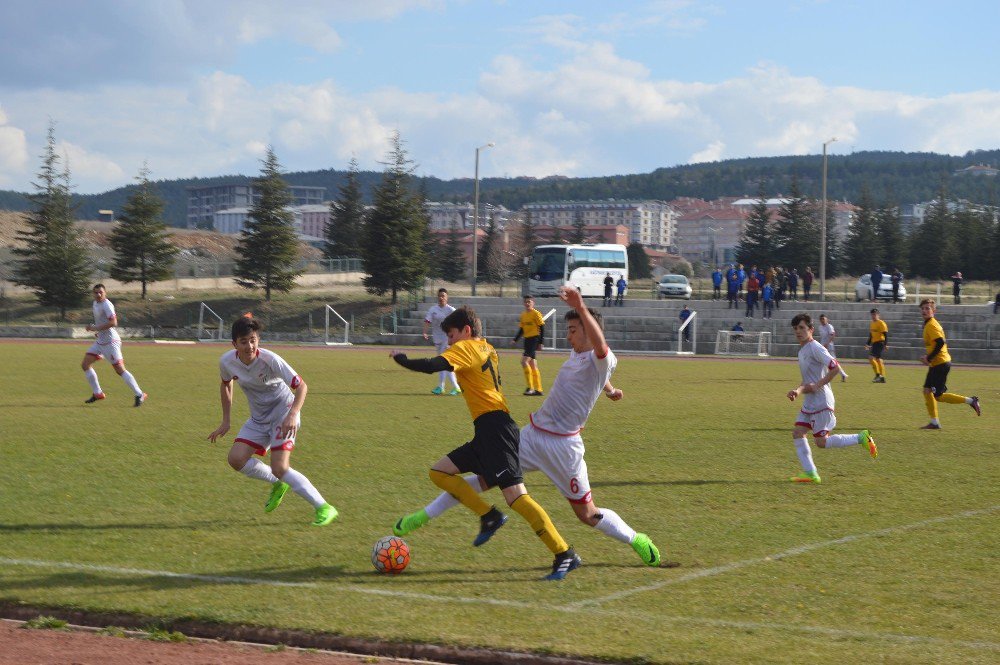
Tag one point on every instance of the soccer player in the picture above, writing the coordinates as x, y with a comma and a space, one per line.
938, 361
432, 324
552, 444
267, 381
493, 451
827, 334
108, 345
878, 342
532, 327
818, 368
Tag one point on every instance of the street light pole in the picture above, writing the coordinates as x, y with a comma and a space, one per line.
822, 230
475, 220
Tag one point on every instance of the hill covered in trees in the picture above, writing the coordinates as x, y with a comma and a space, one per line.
895, 177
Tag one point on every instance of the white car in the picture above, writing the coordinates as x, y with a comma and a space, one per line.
863, 289
673, 286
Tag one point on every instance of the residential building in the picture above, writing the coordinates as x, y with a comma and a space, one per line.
650, 223
459, 215
204, 202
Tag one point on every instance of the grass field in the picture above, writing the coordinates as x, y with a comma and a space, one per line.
891, 560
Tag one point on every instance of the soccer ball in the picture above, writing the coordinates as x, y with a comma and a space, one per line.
390, 555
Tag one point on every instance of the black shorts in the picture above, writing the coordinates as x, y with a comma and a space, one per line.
531, 345
877, 349
493, 452
937, 376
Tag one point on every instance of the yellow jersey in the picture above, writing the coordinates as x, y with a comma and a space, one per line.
531, 322
477, 367
877, 330
933, 331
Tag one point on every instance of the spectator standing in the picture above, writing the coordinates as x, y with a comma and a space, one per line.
897, 279
609, 283
752, 286
956, 287
684, 316
621, 284
876, 279
793, 284
732, 286
807, 282
717, 284
767, 297
742, 275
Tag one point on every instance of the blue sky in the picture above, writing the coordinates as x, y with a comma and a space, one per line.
200, 87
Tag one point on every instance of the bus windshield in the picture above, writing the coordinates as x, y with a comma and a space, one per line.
548, 263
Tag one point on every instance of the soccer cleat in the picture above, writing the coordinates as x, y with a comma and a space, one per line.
96, 397
975, 405
865, 438
278, 490
488, 525
437, 391
409, 523
931, 426
528, 391
140, 399
563, 564
455, 391
881, 379
324, 515
646, 550
806, 478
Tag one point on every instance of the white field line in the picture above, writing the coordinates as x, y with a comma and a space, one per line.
794, 551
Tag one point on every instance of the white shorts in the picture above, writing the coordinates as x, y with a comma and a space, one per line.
441, 346
558, 457
821, 423
263, 437
111, 351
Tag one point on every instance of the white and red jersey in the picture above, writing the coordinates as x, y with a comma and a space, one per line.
267, 382
435, 315
826, 333
579, 383
814, 363
104, 311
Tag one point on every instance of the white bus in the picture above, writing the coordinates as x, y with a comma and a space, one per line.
586, 266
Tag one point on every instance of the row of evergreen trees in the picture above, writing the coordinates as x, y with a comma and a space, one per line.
951, 238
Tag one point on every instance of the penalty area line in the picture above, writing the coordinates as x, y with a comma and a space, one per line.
794, 551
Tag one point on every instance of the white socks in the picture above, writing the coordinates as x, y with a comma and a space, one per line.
301, 486
443, 376
130, 382
444, 501
842, 440
257, 470
95, 385
612, 525
805, 455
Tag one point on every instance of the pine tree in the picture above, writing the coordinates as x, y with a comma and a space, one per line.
891, 237
863, 246
143, 251
268, 246
757, 242
392, 244
53, 261
797, 230
638, 262
486, 250
453, 265
579, 234
926, 242
347, 218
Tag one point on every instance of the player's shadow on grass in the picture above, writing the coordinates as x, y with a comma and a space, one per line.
123, 526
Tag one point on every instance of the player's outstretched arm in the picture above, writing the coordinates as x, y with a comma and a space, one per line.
425, 365
572, 297
226, 398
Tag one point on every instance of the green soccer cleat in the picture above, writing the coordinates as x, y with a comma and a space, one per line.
866, 439
324, 515
437, 391
409, 523
278, 490
646, 550
806, 478
455, 391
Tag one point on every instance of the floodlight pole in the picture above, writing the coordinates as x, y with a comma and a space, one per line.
475, 220
822, 230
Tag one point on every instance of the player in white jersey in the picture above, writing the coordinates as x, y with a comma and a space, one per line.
818, 368
107, 345
432, 324
267, 381
827, 335
552, 444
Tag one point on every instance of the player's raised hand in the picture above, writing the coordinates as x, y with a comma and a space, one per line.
219, 431
570, 295
394, 353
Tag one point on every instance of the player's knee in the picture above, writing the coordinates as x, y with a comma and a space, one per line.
279, 469
236, 461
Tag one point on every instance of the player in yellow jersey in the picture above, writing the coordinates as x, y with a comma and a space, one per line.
532, 327
878, 342
939, 364
493, 451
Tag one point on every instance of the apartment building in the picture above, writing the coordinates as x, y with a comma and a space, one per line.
204, 202
650, 223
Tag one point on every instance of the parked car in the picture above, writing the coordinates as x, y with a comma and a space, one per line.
673, 286
863, 289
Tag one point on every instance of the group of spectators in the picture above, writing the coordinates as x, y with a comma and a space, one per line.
763, 288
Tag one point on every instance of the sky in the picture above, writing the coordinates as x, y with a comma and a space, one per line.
200, 88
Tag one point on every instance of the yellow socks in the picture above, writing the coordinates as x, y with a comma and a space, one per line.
874, 363
536, 377
931, 403
951, 398
458, 488
529, 376
539, 521
881, 366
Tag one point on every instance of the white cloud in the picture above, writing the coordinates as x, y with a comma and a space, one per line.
712, 153
90, 166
